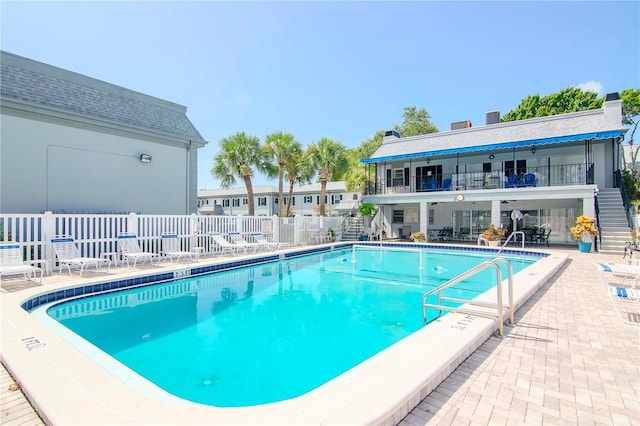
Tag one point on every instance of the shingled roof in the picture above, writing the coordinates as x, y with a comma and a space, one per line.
572, 127
44, 85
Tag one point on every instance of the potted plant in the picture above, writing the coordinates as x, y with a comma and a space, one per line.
331, 234
583, 232
417, 237
367, 209
493, 235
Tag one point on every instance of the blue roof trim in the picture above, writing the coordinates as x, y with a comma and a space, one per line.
545, 141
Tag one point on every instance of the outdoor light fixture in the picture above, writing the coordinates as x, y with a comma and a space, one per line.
491, 157
459, 197
533, 150
145, 158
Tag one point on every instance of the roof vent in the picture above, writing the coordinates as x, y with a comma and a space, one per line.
461, 125
391, 133
493, 117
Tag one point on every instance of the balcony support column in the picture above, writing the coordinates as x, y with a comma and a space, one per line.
495, 212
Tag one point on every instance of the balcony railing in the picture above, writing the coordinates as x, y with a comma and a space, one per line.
561, 175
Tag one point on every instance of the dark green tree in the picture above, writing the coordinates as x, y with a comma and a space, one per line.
416, 122
327, 157
281, 146
240, 156
571, 99
631, 117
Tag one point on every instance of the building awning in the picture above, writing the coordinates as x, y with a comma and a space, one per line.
501, 146
345, 206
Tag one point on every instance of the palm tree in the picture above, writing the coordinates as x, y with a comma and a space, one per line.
282, 146
296, 170
240, 154
328, 156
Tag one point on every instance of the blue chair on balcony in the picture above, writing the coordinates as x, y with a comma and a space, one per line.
446, 185
433, 185
512, 181
529, 180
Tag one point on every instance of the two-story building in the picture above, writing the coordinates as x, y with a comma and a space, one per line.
305, 200
537, 174
75, 144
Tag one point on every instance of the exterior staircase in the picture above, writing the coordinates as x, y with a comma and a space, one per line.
353, 228
614, 227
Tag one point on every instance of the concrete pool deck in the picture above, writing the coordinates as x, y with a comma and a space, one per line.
569, 359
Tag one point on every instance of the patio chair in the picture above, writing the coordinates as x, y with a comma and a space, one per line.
129, 248
512, 181
259, 238
433, 185
446, 185
543, 236
225, 246
237, 239
171, 248
618, 274
529, 180
11, 262
68, 255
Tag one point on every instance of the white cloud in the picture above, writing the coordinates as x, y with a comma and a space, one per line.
591, 86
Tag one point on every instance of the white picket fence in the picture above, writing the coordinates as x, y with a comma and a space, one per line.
96, 234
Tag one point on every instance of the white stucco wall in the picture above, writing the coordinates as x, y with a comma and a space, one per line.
51, 165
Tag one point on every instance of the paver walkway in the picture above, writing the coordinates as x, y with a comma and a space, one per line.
570, 360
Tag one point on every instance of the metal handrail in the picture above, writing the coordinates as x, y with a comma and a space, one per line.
509, 239
499, 306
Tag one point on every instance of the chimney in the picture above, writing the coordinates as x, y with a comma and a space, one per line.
493, 117
390, 134
612, 107
461, 125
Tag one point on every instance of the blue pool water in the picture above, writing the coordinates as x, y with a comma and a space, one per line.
273, 331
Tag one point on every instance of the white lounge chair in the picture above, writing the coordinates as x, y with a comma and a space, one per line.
11, 262
619, 274
129, 248
226, 246
171, 248
261, 239
68, 255
237, 239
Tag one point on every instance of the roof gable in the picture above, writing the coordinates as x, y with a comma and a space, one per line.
40, 84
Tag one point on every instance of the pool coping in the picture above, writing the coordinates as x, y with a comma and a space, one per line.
67, 387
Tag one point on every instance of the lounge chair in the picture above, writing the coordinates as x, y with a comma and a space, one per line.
171, 248
11, 262
261, 239
129, 248
226, 246
617, 274
624, 294
237, 239
68, 255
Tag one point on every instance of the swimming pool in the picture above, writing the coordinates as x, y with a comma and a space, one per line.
68, 387
310, 319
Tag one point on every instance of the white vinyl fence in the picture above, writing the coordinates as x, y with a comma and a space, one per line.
96, 234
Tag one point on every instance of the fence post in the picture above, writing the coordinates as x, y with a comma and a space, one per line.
275, 228
49, 227
194, 230
132, 224
297, 220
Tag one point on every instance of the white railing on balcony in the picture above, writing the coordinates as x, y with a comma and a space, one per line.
96, 234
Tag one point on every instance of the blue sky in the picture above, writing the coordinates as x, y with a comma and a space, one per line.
337, 69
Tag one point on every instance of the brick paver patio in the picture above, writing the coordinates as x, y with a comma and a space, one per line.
570, 359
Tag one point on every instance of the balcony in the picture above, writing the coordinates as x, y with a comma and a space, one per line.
560, 175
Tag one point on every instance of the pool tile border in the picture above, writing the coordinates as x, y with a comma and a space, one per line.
146, 280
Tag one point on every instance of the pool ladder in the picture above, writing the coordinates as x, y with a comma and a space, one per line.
499, 307
513, 234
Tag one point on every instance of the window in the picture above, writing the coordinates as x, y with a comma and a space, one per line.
245, 201
262, 201
293, 201
397, 176
225, 202
308, 199
236, 202
398, 216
